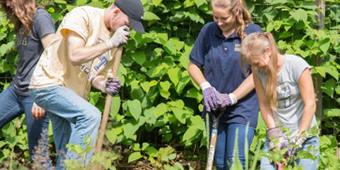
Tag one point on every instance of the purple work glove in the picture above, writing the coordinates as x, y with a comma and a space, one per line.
277, 139
225, 100
296, 143
112, 86
210, 98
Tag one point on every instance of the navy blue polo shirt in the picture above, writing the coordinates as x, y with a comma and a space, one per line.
221, 61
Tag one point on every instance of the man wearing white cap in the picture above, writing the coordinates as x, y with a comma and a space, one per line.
88, 40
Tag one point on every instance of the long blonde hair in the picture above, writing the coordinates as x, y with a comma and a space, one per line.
20, 12
239, 9
258, 42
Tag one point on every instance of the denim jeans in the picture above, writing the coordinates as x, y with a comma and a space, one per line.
310, 145
73, 119
226, 136
12, 106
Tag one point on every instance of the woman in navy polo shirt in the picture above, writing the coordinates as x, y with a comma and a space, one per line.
223, 82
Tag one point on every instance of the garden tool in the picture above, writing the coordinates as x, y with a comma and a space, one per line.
108, 103
215, 115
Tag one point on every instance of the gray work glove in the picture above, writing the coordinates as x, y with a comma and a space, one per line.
277, 138
120, 37
112, 86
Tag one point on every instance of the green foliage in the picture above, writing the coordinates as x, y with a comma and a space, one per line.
328, 159
156, 116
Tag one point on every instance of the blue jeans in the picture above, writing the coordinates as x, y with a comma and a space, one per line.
12, 106
226, 136
73, 119
310, 145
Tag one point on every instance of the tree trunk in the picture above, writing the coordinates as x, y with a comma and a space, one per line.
320, 17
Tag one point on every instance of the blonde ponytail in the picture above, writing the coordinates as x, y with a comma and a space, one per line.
261, 41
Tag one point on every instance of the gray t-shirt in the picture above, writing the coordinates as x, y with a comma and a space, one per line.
290, 104
30, 48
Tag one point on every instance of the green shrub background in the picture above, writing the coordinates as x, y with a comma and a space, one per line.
155, 121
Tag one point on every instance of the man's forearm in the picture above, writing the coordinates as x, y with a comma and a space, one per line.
98, 82
85, 54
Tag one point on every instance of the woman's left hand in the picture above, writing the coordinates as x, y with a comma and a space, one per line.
37, 111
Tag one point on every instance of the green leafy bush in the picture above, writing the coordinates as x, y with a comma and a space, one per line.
155, 121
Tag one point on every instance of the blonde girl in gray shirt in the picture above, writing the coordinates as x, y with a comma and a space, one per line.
286, 96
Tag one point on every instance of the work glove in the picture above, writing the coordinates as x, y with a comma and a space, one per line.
225, 100
277, 138
120, 37
297, 139
209, 96
112, 86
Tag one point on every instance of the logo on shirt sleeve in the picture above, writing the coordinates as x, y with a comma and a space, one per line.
94, 67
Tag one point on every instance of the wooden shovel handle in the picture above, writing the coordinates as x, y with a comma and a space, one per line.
108, 103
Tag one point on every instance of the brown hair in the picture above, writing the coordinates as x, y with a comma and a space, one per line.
20, 12
255, 42
239, 9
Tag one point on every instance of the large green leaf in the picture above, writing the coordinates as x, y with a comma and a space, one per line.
60, 1
157, 71
81, 2
321, 70
329, 87
134, 156
150, 16
190, 133
184, 58
178, 104
115, 106
337, 89
299, 15
147, 85
174, 75
130, 130
180, 114
156, 2
151, 151
139, 57
173, 45
164, 89
280, 2
194, 93
161, 109
150, 115
188, 3
135, 108
332, 113
166, 154
200, 2
112, 134
183, 82
5, 48
94, 97
197, 122
324, 45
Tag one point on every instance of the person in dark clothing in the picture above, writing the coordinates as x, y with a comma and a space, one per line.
34, 31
